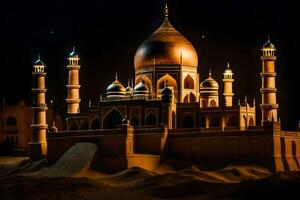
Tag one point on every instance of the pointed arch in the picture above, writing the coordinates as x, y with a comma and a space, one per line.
95, 123
84, 125
212, 103
192, 97
112, 120
188, 122
166, 78
135, 121
186, 99
11, 121
147, 80
251, 122
74, 126
188, 82
203, 103
232, 121
151, 119
202, 122
215, 122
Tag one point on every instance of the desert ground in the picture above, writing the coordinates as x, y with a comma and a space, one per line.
71, 177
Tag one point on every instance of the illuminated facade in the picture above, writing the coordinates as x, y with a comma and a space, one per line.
167, 111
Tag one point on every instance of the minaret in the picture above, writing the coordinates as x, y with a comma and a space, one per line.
73, 86
268, 89
228, 80
38, 144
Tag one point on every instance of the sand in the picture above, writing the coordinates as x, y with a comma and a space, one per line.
71, 178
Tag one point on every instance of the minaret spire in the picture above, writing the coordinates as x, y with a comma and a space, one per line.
166, 10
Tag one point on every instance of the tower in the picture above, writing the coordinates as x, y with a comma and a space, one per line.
73, 86
228, 80
38, 144
268, 89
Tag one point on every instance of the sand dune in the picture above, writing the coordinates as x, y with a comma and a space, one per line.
71, 177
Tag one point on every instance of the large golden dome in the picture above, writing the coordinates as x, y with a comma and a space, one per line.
168, 47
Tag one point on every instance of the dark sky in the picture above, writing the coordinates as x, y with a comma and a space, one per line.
107, 34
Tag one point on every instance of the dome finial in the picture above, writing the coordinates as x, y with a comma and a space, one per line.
268, 38
228, 65
73, 48
209, 74
166, 10
116, 75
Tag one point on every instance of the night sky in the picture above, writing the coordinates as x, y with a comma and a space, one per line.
107, 34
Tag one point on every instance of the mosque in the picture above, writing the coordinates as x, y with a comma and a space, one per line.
167, 111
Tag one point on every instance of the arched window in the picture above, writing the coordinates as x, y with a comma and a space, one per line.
95, 124
112, 120
151, 120
215, 122
147, 80
186, 99
73, 126
204, 103
188, 122
135, 121
84, 125
192, 97
11, 121
188, 82
213, 103
232, 121
169, 80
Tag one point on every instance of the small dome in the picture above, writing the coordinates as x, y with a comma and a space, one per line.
73, 54
209, 83
228, 70
116, 88
166, 91
125, 121
129, 89
39, 62
141, 88
269, 45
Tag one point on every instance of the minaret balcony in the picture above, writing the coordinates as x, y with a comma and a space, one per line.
73, 100
268, 90
39, 126
269, 106
272, 58
73, 86
39, 73
39, 90
268, 74
70, 67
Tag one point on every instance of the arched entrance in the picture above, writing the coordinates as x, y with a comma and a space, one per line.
73, 126
112, 120
151, 120
232, 121
188, 122
95, 124
215, 122
84, 125
135, 121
